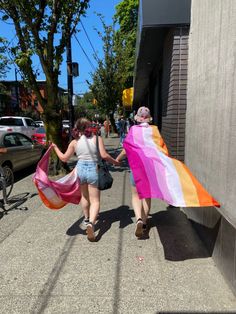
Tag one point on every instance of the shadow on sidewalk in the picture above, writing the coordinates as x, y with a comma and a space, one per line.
15, 202
106, 218
178, 236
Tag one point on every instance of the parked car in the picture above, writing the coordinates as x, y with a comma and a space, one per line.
21, 151
39, 123
39, 136
23, 125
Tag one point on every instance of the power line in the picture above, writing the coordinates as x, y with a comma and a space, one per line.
90, 62
95, 54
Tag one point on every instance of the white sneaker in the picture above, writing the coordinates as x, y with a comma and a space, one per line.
86, 221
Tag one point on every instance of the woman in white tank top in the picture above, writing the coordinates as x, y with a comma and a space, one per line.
84, 145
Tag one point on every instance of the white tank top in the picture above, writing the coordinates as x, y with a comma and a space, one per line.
86, 149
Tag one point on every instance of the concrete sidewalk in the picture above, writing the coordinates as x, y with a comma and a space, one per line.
49, 266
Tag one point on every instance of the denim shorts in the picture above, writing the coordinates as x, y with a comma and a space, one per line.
87, 172
131, 178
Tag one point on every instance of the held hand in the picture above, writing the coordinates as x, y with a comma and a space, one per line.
117, 163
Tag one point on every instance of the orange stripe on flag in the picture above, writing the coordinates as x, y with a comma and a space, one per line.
49, 204
205, 199
188, 188
156, 136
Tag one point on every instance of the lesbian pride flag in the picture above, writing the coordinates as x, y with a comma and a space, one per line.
56, 194
157, 175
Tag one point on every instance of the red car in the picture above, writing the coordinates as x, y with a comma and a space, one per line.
40, 136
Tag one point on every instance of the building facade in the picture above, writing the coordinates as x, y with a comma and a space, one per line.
210, 145
161, 67
19, 99
185, 73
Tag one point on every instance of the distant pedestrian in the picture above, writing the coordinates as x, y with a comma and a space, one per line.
122, 129
117, 126
106, 125
84, 146
131, 122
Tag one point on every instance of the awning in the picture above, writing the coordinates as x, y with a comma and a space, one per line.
127, 97
156, 17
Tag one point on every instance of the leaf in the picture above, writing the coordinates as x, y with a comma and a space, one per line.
5, 17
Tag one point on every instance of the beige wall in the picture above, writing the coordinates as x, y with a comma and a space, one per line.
210, 149
211, 100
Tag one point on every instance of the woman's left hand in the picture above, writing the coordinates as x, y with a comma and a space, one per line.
117, 163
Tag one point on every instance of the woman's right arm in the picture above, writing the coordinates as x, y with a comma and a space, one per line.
69, 152
104, 154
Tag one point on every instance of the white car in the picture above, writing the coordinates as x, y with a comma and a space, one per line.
23, 125
39, 123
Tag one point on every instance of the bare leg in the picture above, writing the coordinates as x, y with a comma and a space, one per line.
136, 203
94, 197
85, 203
138, 208
146, 205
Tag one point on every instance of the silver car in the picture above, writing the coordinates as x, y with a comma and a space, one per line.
21, 152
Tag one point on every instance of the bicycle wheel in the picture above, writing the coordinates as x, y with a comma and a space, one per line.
6, 182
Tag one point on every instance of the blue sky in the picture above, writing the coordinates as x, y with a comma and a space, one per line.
91, 21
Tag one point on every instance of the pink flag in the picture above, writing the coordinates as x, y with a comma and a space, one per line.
56, 194
157, 175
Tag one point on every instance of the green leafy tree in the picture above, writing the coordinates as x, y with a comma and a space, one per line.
125, 39
115, 71
43, 28
3, 59
105, 85
4, 94
85, 106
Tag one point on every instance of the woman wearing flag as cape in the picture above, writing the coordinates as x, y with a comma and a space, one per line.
154, 174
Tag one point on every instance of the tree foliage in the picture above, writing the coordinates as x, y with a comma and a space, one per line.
106, 87
3, 67
125, 39
115, 71
3, 60
43, 28
85, 107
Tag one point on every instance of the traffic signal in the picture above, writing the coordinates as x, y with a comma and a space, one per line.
75, 69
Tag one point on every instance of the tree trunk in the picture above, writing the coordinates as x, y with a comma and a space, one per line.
112, 120
53, 126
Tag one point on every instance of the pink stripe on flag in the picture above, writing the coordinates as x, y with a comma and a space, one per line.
138, 170
148, 166
158, 166
159, 176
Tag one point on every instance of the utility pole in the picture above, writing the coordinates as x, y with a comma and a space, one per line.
70, 85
